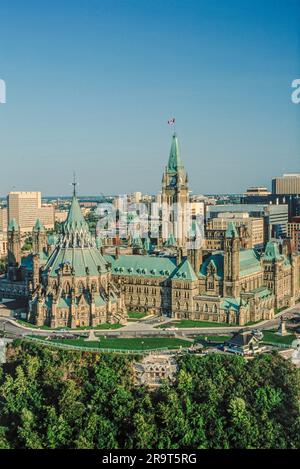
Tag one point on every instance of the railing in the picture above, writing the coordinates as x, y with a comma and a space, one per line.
276, 344
92, 349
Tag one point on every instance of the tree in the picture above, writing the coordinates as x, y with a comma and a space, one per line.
68, 399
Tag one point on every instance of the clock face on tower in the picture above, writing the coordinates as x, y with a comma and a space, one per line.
173, 181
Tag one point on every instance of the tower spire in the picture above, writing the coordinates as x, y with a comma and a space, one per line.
174, 163
74, 184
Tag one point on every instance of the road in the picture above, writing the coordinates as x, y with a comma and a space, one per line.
145, 328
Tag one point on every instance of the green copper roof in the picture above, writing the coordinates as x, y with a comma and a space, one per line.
231, 231
99, 243
76, 233
38, 226
272, 252
79, 259
148, 266
261, 292
184, 272
171, 241
137, 241
147, 244
27, 261
64, 302
13, 225
52, 239
75, 219
249, 262
174, 162
231, 303
76, 247
217, 260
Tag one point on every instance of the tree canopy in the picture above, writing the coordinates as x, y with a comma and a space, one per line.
64, 399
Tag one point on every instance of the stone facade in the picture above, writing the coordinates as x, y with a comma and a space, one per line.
234, 286
154, 369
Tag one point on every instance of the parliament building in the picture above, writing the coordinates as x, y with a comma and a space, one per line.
71, 280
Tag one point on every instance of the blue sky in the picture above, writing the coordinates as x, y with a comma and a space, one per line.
92, 83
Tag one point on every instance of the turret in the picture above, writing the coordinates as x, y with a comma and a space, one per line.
14, 250
35, 270
137, 245
195, 256
147, 244
39, 238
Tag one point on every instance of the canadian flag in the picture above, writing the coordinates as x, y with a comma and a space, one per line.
171, 121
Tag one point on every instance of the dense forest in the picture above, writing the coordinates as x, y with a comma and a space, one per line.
60, 399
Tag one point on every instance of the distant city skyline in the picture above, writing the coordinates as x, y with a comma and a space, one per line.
90, 87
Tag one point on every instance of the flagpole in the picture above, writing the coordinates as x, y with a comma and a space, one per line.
172, 122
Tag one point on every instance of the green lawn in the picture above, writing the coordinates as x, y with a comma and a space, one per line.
79, 328
136, 315
213, 338
127, 344
28, 324
252, 323
270, 336
100, 326
279, 310
190, 323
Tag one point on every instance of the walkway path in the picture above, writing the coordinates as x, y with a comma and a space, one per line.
143, 328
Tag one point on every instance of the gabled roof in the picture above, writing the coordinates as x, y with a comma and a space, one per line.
242, 339
184, 271
218, 261
13, 225
272, 252
232, 303
174, 162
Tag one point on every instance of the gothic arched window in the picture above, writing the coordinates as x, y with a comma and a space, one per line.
67, 288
